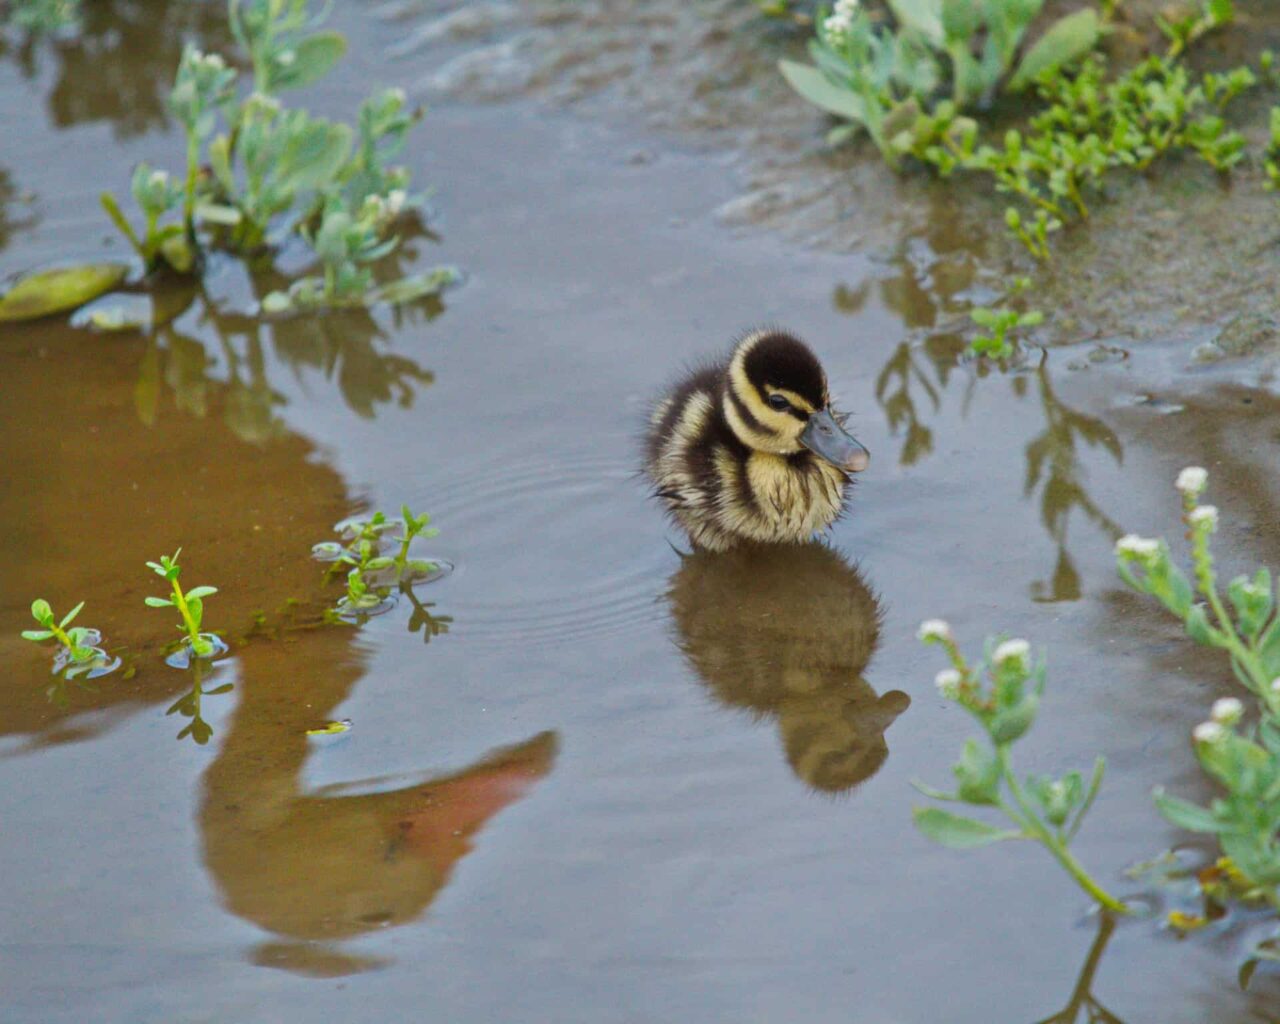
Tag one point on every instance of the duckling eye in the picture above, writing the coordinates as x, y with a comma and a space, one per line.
779, 402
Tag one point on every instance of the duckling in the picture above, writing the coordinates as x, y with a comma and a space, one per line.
749, 450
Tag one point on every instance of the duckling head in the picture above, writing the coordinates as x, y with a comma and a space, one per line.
776, 401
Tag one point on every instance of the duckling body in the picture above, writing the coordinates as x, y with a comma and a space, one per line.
748, 450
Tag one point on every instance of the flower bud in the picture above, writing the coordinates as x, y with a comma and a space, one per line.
948, 683
1204, 517
1209, 732
1012, 651
1227, 711
934, 629
1191, 481
1141, 549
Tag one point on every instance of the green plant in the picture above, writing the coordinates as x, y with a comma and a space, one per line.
157, 195
1248, 631
190, 606
413, 526
284, 51
1271, 160
1244, 761
1003, 694
886, 80
1001, 326
1089, 127
1184, 30
78, 642
286, 154
346, 244
373, 574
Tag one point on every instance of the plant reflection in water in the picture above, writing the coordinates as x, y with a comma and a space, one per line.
1083, 1007
786, 633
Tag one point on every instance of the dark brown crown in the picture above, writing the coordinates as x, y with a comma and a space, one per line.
782, 360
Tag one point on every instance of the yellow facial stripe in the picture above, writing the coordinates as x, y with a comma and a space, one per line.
793, 398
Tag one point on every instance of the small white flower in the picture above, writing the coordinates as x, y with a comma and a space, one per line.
1134, 546
1012, 650
397, 94
846, 8
1275, 686
158, 179
948, 683
1209, 732
212, 61
1191, 481
934, 629
1205, 515
395, 201
285, 58
1227, 711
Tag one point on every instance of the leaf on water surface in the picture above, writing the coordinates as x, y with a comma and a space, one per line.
46, 292
418, 286
331, 728
819, 90
956, 832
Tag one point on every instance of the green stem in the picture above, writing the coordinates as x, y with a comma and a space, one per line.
1059, 850
189, 197
180, 600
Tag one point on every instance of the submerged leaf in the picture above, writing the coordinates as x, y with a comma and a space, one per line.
55, 291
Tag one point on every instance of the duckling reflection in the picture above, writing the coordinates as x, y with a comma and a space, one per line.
786, 632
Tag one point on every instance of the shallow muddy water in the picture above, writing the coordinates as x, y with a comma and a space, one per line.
615, 784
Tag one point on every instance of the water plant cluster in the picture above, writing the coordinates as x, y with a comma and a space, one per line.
1237, 746
374, 551
258, 175
914, 76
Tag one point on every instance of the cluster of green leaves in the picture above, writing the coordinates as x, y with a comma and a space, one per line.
1003, 693
1185, 27
1001, 325
190, 606
375, 571
78, 655
887, 79
275, 171
1244, 760
1089, 127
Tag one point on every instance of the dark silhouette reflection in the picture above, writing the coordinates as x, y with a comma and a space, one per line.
786, 633
1083, 1007
315, 867
120, 65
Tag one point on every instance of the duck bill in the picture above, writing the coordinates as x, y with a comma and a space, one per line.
826, 438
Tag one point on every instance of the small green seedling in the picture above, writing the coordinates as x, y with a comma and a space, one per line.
413, 527
190, 606
284, 51
1001, 326
78, 641
1185, 29
1005, 702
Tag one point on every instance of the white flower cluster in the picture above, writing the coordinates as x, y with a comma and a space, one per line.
207, 61
948, 683
1143, 549
1015, 651
1227, 711
1204, 515
934, 629
839, 21
1209, 732
1191, 481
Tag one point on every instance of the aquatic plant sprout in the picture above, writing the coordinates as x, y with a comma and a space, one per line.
1003, 694
374, 575
190, 606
